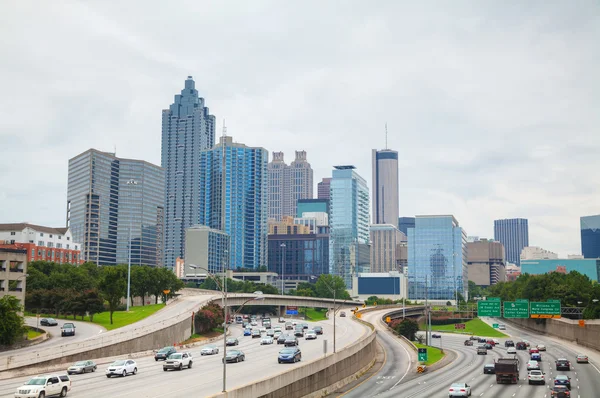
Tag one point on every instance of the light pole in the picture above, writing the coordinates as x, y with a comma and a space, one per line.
580, 310
133, 183
334, 308
282, 268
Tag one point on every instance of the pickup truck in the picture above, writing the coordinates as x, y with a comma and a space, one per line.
45, 386
507, 370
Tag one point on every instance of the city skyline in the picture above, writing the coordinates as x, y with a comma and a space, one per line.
443, 109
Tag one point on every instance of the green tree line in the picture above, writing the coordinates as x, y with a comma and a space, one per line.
323, 288
234, 286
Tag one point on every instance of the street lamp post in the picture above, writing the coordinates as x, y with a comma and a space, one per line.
334, 308
134, 183
282, 268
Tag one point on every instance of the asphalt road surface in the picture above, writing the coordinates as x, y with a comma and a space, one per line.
205, 377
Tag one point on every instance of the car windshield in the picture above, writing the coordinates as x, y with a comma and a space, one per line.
458, 385
288, 351
561, 377
36, 382
232, 353
175, 356
209, 347
166, 349
118, 363
80, 363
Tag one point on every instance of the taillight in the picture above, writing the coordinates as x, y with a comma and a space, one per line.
462, 390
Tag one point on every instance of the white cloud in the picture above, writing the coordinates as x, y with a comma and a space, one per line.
493, 108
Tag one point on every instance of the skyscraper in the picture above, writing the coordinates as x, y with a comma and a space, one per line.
287, 184
349, 251
187, 129
513, 233
105, 196
385, 187
437, 259
404, 223
485, 260
386, 242
323, 188
590, 236
239, 207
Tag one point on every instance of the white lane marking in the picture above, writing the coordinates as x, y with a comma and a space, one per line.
407, 368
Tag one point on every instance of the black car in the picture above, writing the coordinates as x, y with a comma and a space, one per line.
164, 353
234, 356
318, 329
509, 343
305, 326
48, 322
299, 332
468, 342
482, 340
436, 336
488, 346
521, 345
67, 329
563, 364
291, 355
291, 341
560, 392
489, 368
474, 338
233, 341
562, 380
281, 339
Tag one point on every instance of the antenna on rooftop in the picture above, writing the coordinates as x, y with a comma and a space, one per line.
224, 128
386, 146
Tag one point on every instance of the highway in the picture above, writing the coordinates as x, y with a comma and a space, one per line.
468, 368
205, 377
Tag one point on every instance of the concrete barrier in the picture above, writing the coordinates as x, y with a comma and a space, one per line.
316, 378
567, 329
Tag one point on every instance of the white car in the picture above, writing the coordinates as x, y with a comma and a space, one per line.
209, 350
121, 367
536, 377
254, 323
263, 330
541, 347
45, 386
310, 335
266, 340
496, 341
511, 350
502, 327
533, 365
459, 390
178, 360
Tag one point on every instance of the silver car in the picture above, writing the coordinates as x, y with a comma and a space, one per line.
82, 367
310, 335
266, 340
209, 350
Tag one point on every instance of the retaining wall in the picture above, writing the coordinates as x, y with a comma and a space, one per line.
568, 329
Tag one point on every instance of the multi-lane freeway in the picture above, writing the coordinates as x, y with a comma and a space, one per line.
205, 377
468, 368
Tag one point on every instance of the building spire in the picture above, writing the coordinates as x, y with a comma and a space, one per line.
386, 146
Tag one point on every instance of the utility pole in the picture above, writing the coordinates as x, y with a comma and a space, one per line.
282, 268
428, 314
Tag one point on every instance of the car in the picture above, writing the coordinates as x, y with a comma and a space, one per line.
509, 343
541, 347
266, 340
121, 367
80, 367
256, 333
511, 350
67, 329
489, 346
491, 342
290, 341
247, 332
318, 329
270, 332
468, 342
263, 330
305, 326
232, 341
536, 356
290, 355
48, 322
436, 336
45, 386
164, 353
481, 350
534, 350
560, 392
209, 350
581, 358
563, 364
289, 326
277, 334
342, 314
310, 335
258, 292
489, 368
501, 326
294, 323
527, 343
521, 345
533, 365
267, 325
496, 342
246, 325
281, 320
299, 332
482, 339
239, 320
536, 377
459, 390
254, 323
562, 380
474, 338
282, 338
234, 356
178, 360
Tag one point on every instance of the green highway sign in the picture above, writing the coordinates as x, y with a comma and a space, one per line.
525, 300
493, 299
548, 309
489, 308
495, 325
422, 355
516, 309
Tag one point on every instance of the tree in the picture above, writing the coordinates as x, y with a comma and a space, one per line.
140, 282
12, 325
113, 285
407, 328
93, 303
327, 283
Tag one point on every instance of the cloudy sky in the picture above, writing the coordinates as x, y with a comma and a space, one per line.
494, 106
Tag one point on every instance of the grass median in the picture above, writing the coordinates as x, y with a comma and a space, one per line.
433, 354
32, 333
316, 314
120, 318
475, 326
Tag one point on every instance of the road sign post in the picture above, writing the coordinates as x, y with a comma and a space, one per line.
422, 355
516, 309
490, 307
458, 326
545, 309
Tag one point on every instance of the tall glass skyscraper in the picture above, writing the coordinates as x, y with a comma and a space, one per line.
513, 233
385, 187
288, 184
106, 196
437, 259
590, 236
187, 129
239, 207
349, 251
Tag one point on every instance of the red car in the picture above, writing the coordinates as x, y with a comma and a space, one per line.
533, 350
